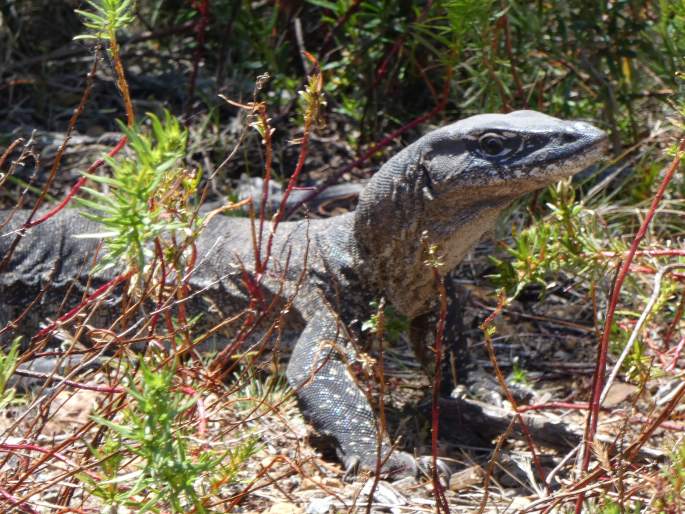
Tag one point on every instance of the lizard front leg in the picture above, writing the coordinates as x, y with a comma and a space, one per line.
455, 358
332, 401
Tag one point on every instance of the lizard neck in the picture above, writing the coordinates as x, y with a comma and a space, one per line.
397, 265
395, 219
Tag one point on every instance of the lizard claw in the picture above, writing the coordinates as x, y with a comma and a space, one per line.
398, 465
425, 465
352, 464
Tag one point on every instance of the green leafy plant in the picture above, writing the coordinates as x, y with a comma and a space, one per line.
258, 394
609, 506
567, 239
394, 324
148, 194
670, 497
519, 375
466, 16
173, 471
106, 17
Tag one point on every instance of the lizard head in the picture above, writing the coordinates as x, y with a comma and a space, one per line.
506, 154
451, 185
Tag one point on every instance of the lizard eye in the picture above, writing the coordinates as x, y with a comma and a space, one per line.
493, 144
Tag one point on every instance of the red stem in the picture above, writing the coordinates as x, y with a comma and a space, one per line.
438, 490
379, 146
505, 389
265, 183
201, 411
71, 383
34, 448
202, 7
17, 504
77, 186
98, 292
671, 252
383, 67
593, 418
286, 194
554, 405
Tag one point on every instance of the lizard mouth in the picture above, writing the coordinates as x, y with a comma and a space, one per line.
574, 153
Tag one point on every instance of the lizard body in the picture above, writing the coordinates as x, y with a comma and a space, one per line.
448, 188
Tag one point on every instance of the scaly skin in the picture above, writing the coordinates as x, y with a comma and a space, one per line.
448, 187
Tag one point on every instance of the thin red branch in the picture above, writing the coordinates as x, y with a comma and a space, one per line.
9, 447
98, 292
382, 68
71, 383
13, 145
380, 145
201, 411
16, 503
90, 77
202, 7
665, 425
341, 21
485, 326
598, 385
310, 118
77, 186
438, 490
671, 252
554, 405
381, 426
268, 157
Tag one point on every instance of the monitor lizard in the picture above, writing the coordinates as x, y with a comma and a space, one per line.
447, 188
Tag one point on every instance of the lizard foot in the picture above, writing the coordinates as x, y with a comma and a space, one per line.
425, 465
398, 465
